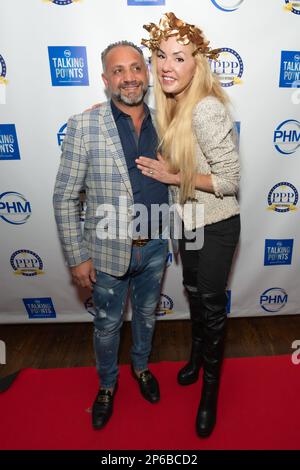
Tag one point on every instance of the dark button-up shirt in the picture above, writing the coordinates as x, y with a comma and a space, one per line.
146, 190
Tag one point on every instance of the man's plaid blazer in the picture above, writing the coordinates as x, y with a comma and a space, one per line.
93, 159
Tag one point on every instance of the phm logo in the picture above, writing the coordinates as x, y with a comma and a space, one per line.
294, 7
283, 197
273, 299
62, 2
227, 5
61, 134
229, 67
165, 306
287, 137
26, 263
14, 208
40, 307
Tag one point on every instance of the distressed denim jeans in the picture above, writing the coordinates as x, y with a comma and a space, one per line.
110, 293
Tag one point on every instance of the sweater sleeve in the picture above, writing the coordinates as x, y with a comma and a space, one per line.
214, 133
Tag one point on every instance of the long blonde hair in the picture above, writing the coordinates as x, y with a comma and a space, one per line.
174, 121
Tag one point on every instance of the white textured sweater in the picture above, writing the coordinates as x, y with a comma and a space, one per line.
215, 155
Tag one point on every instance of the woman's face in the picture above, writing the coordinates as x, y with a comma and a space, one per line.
175, 67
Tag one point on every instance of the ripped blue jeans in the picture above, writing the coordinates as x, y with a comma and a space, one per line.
110, 293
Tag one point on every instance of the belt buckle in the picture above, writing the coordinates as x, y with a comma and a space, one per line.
140, 242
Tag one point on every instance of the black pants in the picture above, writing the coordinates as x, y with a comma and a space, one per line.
208, 269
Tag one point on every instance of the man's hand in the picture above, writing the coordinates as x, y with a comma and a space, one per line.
84, 274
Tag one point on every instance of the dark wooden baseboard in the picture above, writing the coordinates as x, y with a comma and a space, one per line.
71, 344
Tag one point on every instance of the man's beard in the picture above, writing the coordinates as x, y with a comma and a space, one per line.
134, 100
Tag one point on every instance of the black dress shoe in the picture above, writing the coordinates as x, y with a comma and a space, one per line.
103, 407
149, 386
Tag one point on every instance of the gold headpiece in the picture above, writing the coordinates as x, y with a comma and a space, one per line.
185, 33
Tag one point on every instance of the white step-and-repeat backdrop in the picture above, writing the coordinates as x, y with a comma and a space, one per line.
50, 69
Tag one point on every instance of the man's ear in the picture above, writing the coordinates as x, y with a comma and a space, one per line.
104, 80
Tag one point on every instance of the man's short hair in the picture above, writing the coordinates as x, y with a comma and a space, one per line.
118, 44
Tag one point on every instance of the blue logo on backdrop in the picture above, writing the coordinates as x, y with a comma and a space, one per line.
14, 208
9, 149
283, 197
26, 263
3, 71
62, 2
278, 252
40, 307
227, 5
147, 57
229, 67
83, 205
68, 66
273, 299
290, 69
228, 305
61, 134
145, 2
90, 306
165, 306
287, 137
238, 132
169, 259
292, 6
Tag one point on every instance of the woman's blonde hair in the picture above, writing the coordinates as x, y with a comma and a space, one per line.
174, 121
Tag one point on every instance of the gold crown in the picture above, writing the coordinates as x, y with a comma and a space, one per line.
170, 26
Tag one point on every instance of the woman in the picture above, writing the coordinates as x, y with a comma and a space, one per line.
200, 163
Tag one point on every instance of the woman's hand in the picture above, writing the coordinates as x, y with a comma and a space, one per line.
158, 170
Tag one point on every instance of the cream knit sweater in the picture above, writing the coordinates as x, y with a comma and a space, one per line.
216, 155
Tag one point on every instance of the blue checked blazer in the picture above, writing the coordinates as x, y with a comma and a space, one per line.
93, 159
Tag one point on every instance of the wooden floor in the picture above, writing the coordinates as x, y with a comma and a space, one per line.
71, 344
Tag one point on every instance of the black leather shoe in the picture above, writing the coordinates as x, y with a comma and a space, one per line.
103, 407
149, 386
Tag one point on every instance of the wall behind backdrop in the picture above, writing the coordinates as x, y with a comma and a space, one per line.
50, 69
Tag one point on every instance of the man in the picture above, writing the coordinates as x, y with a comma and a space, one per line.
99, 153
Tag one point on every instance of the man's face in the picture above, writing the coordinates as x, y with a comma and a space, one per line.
126, 75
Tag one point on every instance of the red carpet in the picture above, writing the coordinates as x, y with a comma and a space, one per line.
259, 408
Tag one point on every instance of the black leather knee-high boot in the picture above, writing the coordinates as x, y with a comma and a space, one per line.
190, 372
214, 326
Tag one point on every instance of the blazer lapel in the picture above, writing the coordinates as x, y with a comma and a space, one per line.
110, 132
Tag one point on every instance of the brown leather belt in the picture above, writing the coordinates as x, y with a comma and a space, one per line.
140, 242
